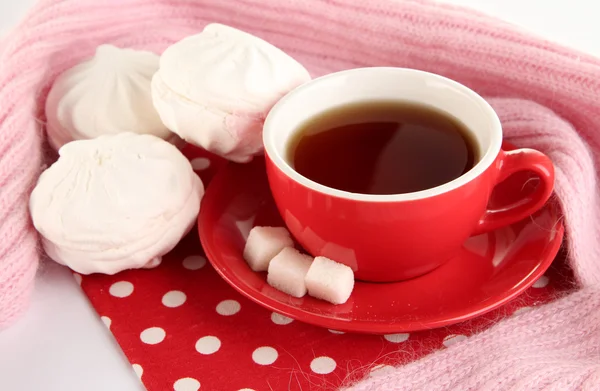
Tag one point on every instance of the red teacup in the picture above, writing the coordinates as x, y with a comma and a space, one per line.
396, 237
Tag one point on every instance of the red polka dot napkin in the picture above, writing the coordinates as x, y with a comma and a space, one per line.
184, 329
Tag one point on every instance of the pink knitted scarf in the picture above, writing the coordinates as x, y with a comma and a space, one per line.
548, 97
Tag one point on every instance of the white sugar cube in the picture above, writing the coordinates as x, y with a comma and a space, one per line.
329, 280
287, 271
263, 244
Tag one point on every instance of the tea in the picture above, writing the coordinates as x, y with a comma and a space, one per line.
382, 147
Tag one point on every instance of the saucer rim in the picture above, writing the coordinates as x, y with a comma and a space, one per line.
547, 256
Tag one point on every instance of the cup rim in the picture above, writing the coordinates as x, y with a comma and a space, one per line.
281, 163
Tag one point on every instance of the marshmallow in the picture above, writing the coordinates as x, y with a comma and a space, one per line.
263, 244
288, 270
116, 202
214, 89
329, 280
107, 94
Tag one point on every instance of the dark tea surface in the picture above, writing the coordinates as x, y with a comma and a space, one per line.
382, 148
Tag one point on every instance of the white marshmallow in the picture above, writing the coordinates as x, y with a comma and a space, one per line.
288, 270
107, 94
329, 280
115, 202
263, 244
214, 89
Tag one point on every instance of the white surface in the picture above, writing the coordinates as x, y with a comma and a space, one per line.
61, 345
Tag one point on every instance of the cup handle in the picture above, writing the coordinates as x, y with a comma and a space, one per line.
509, 163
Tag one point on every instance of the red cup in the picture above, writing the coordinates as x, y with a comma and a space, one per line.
396, 237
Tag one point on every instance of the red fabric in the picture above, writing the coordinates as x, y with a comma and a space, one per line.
232, 366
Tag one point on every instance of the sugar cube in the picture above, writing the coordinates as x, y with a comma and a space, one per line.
329, 280
263, 244
287, 271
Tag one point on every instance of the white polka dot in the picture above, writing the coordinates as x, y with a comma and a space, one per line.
522, 310
396, 338
245, 389
139, 371
186, 384
208, 345
153, 335
541, 282
200, 163
280, 319
265, 355
336, 332
77, 278
380, 369
173, 299
453, 339
228, 307
121, 289
106, 320
194, 262
322, 365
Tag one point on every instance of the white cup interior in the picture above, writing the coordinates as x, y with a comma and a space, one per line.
382, 83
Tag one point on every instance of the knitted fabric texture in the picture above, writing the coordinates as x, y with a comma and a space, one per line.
547, 97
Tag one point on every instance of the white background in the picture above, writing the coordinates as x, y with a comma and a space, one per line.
61, 345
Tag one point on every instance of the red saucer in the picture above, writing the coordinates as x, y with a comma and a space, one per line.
492, 269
